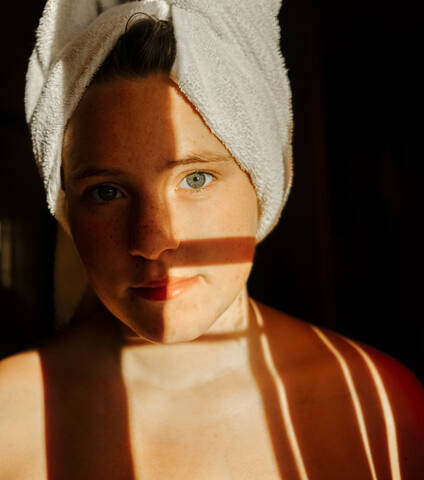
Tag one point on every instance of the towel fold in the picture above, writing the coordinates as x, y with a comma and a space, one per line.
228, 64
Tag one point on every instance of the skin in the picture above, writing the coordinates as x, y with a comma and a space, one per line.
199, 386
157, 224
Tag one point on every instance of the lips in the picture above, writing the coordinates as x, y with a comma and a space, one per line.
165, 289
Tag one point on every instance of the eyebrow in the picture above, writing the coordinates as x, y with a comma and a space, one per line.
90, 171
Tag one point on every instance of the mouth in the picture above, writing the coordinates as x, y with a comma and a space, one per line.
166, 289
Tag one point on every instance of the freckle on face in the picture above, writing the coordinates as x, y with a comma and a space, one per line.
228, 212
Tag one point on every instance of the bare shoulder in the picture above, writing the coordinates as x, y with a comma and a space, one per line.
21, 416
403, 394
20, 381
395, 376
382, 394
400, 403
22, 363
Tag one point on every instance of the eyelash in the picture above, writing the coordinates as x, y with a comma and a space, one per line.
92, 190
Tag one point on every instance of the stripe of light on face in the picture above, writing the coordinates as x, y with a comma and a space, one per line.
355, 399
389, 421
282, 397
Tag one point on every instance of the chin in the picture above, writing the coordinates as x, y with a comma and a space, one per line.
170, 329
182, 319
178, 337
170, 332
168, 338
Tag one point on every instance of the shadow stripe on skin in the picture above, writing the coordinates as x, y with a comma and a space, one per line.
284, 406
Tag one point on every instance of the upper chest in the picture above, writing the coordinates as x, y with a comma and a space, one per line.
276, 419
213, 431
258, 425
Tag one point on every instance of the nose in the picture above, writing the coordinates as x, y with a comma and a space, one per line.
151, 229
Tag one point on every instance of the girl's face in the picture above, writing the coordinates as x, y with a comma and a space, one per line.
152, 194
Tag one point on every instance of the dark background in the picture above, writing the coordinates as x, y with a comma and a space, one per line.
347, 252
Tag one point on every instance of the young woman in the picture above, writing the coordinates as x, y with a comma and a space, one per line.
168, 368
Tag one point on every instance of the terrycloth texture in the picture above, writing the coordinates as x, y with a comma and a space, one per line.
228, 65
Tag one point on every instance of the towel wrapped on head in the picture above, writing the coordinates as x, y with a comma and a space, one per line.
228, 65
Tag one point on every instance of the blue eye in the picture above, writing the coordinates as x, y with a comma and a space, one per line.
105, 193
196, 180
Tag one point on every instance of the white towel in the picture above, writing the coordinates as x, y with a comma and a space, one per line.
228, 64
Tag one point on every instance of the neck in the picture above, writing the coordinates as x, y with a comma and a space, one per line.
222, 350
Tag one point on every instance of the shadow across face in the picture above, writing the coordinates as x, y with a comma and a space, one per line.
152, 196
87, 422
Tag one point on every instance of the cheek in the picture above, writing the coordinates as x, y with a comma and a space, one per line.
97, 240
235, 212
232, 219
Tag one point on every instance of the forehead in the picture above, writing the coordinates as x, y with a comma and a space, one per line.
130, 118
